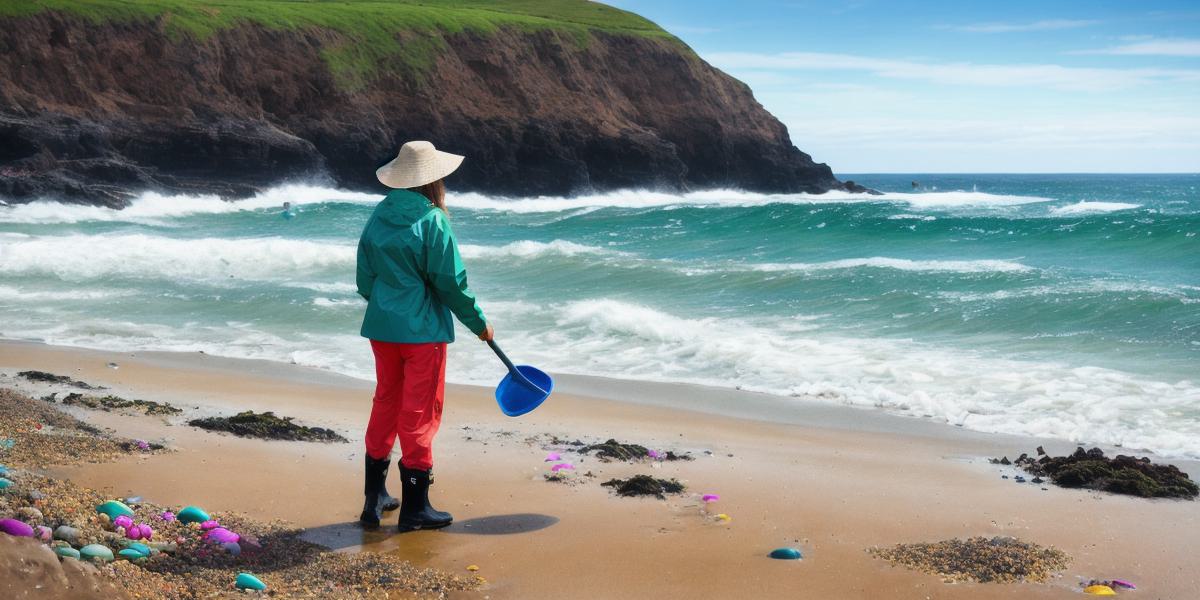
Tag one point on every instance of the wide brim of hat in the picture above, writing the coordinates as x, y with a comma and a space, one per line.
410, 172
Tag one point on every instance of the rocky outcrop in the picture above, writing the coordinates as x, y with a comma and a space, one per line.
91, 111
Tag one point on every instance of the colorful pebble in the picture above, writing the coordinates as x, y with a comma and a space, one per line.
246, 581
67, 552
5, 484
94, 551
786, 554
1099, 590
114, 509
15, 528
1124, 584
192, 514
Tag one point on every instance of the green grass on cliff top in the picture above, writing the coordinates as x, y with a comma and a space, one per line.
370, 26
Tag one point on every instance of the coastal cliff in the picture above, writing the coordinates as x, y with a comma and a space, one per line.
100, 99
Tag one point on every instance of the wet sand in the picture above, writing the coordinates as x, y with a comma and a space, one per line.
832, 481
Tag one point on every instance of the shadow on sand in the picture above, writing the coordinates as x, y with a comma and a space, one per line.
340, 536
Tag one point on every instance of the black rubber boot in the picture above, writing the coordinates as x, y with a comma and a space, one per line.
375, 496
415, 510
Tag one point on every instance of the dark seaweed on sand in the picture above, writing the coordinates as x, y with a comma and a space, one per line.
1120, 475
644, 485
45, 377
110, 402
267, 426
614, 450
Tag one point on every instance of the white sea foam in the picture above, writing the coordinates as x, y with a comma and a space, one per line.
155, 208
532, 249
1087, 207
900, 264
724, 198
152, 207
1081, 404
90, 257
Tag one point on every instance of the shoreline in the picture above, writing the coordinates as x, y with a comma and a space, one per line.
707, 400
832, 489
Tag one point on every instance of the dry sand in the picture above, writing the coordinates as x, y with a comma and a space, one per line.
831, 481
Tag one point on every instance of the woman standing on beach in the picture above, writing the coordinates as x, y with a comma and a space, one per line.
411, 274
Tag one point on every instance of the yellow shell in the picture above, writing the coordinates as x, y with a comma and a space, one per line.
473, 568
724, 517
1099, 590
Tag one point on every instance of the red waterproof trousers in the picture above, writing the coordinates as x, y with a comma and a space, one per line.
410, 383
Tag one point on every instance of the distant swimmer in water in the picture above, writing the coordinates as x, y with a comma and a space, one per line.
287, 211
916, 184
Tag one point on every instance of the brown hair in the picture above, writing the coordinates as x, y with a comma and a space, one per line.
435, 192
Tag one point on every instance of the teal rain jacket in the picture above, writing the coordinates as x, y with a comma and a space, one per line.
411, 274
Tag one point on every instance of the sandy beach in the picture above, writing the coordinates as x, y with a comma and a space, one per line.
828, 480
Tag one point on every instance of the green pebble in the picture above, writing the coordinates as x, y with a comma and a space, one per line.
246, 581
192, 514
67, 551
142, 549
91, 551
114, 509
130, 554
786, 554
4, 483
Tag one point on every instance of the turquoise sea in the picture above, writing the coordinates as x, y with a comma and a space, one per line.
1054, 305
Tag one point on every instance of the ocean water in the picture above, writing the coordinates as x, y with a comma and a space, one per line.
1054, 305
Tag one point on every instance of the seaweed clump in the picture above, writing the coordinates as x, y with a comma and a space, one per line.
1120, 475
997, 559
644, 485
267, 426
110, 403
614, 450
45, 377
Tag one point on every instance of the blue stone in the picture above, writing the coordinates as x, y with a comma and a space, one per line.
786, 554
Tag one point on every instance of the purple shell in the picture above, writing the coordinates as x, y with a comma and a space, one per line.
562, 466
1124, 584
553, 456
133, 533
221, 535
146, 531
210, 524
654, 454
123, 521
710, 497
167, 516
15, 527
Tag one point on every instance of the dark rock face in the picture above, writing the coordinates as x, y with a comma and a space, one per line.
93, 112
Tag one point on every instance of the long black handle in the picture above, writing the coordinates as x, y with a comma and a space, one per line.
517, 375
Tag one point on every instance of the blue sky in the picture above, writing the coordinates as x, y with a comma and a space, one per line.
1013, 86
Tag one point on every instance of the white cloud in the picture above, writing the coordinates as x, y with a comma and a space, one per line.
991, 75
1153, 47
1047, 25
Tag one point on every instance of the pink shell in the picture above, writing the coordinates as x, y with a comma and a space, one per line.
133, 533
211, 524
710, 497
1124, 584
123, 521
167, 516
654, 454
221, 535
553, 456
146, 531
45, 533
562, 466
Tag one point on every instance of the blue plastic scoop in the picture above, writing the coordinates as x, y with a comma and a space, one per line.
523, 389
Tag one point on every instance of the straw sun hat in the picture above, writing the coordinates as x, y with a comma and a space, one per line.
417, 164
